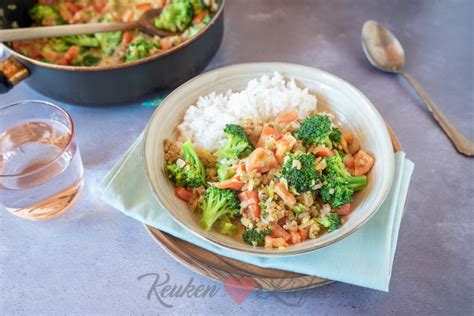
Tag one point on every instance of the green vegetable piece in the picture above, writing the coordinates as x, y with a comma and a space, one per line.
238, 144
255, 237
59, 45
224, 169
86, 60
192, 174
198, 5
300, 171
176, 16
338, 185
40, 12
315, 130
217, 203
139, 48
330, 222
108, 41
82, 40
226, 227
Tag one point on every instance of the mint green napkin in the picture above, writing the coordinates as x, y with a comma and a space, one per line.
364, 258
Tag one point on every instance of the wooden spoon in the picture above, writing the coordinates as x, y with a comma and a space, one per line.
144, 24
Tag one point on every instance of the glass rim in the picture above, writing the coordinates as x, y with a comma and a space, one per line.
49, 163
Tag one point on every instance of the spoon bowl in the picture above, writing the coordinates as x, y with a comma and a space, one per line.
382, 48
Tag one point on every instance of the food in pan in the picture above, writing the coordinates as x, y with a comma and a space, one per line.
265, 165
186, 17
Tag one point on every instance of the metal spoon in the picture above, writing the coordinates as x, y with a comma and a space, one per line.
144, 24
385, 52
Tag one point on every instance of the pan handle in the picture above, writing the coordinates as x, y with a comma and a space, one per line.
11, 73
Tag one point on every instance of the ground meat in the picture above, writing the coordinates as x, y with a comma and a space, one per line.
253, 129
172, 151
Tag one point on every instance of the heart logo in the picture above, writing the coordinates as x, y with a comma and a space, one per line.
239, 288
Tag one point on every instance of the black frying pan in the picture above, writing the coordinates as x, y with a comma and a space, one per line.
111, 84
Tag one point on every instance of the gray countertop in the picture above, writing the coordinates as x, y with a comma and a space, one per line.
89, 260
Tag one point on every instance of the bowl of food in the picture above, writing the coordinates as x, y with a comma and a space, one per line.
111, 67
270, 159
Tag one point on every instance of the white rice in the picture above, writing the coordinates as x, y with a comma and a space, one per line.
263, 99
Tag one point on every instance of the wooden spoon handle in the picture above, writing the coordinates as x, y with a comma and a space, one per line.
462, 144
62, 30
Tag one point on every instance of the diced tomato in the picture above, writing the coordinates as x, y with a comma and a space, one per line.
267, 131
288, 198
184, 194
200, 16
324, 153
278, 231
262, 160
143, 6
343, 210
287, 117
295, 237
126, 38
253, 207
72, 7
304, 234
165, 43
71, 54
363, 162
230, 184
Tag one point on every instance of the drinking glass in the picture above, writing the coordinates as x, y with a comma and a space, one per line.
41, 173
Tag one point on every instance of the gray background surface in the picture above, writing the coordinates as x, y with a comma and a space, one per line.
88, 261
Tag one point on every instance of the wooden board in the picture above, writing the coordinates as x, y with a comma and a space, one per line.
223, 269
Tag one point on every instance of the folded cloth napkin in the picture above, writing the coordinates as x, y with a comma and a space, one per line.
364, 258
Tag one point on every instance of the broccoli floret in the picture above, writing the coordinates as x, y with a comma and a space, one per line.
300, 171
59, 45
40, 12
335, 135
338, 185
108, 41
82, 40
238, 143
255, 237
139, 48
217, 203
86, 60
176, 16
317, 129
226, 227
191, 173
330, 222
224, 169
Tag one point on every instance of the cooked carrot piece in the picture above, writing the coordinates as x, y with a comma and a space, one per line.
343, 210
267, 131
230, 184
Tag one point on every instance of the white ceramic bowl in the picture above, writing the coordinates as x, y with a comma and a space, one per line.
349, 104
